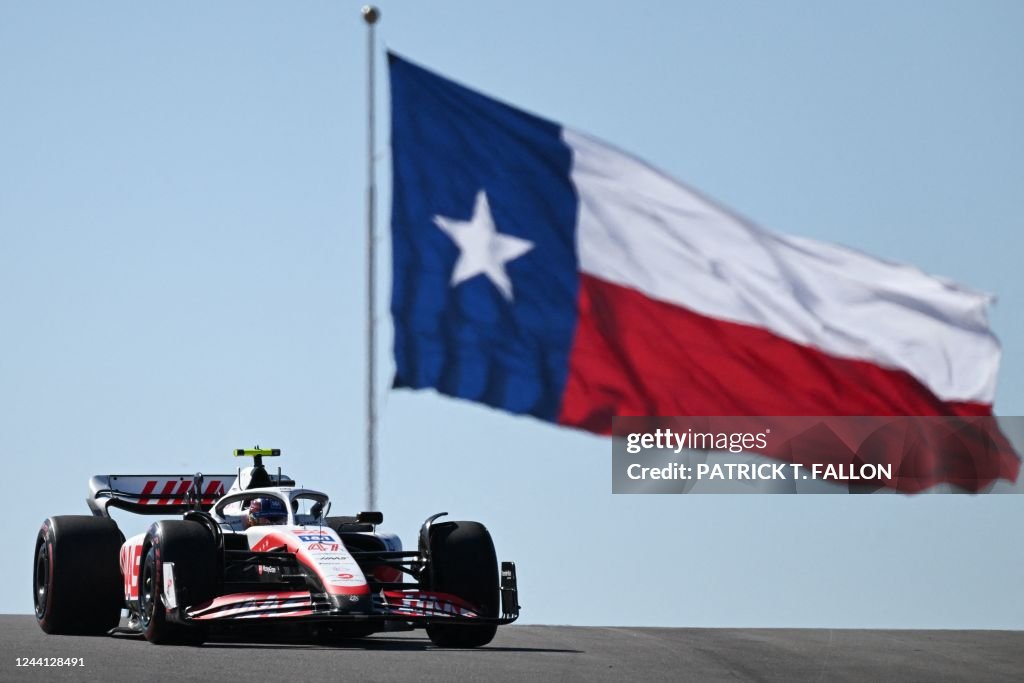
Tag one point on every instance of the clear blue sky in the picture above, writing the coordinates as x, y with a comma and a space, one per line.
181, 272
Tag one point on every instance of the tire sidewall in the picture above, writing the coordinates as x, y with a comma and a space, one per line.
156, 623
45, 538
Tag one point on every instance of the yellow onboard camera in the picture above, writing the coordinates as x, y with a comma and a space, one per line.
257, 452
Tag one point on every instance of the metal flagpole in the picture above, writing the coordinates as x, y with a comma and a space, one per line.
370, 15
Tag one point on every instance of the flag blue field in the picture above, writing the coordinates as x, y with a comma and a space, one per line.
465, 163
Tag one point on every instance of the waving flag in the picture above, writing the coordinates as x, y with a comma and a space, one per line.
544, 272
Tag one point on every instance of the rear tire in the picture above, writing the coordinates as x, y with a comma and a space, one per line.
76, 577
463, 563
191, 548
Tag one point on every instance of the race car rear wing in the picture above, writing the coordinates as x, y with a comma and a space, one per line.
156, 494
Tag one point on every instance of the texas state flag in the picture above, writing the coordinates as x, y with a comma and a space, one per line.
544, 272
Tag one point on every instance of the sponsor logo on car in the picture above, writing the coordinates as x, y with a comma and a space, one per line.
323, 547
130, 556
173, 492
424, 603
316, 538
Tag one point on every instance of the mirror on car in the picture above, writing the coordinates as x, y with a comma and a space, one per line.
320, 510
370, 518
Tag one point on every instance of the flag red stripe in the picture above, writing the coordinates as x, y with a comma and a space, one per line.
636, 356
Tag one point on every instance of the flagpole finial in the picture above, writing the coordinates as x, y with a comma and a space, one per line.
370, 14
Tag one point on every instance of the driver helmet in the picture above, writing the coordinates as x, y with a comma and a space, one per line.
263, 511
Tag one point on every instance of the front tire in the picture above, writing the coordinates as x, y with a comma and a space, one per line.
189, 546
76, 578
463, 563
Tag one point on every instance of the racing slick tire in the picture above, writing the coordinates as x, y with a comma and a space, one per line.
191, 549
463, 563
76, 577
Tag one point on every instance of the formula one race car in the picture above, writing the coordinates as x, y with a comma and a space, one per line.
262, 555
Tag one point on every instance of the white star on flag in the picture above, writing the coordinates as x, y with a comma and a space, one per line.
482, 249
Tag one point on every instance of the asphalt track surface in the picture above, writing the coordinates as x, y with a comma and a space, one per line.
539, 653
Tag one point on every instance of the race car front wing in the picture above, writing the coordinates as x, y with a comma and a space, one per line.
416, 606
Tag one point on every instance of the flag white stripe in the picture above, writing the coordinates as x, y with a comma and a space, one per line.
641, 229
